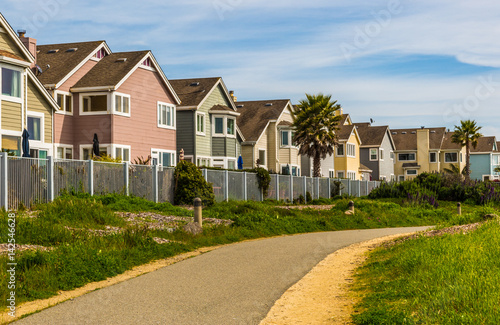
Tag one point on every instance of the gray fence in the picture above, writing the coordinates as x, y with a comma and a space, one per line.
26, 181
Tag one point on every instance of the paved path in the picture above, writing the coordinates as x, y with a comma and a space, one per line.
236, 284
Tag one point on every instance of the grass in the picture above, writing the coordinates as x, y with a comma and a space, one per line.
79, 256
449, 279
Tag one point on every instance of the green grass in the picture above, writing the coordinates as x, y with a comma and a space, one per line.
79, 257
449, 279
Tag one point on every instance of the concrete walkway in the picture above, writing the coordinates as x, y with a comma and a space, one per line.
236, 284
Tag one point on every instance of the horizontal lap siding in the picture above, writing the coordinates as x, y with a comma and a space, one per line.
218, 147
37, 103
246, 153
77, 76
7, 44
185, 132
11, 116
63, 129
141, 130
86, 126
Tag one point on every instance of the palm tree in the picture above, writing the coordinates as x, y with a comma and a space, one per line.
466, 135
455, 170
315, 123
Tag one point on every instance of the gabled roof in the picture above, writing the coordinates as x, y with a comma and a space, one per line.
193, 92
28, 57
63, 62
447, 144
372, 136
406, 139
484, 144
255, 116
346, 128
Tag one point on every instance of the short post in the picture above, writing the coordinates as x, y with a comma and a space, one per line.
291, 187
245, 187
50, 179
4, 185
305, 188
459, 208
91, 177
351, 206
226, 185
277, 187
197, 211
154, 175
126, 178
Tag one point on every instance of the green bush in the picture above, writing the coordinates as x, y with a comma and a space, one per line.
190, 184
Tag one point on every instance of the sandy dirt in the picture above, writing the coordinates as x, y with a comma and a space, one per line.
323, 296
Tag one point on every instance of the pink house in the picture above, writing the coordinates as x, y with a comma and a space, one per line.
124, 98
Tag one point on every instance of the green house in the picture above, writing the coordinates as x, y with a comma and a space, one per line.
206, 123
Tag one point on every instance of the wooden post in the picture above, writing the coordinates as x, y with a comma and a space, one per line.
198, 211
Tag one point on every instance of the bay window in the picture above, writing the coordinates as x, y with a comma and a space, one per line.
223, 126
95, 103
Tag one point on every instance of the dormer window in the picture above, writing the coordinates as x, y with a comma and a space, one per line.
100, 54
147, 62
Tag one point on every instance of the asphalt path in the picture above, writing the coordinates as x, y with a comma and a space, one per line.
235, 284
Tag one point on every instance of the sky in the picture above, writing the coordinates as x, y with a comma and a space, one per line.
402, 63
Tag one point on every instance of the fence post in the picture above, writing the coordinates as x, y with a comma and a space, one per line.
317, 187
305, 188
359, 188
155, 183
245, 189
349, 187
50, 179
126, 178
205, 174
291, 188
277, 187
91, 177
329, 188
226, 185
367, 188
5, 196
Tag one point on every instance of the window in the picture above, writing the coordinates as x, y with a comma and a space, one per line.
262, 157
166, 116
373, 154
219, 125
123, 153
450, 157
11, 143
351, 175
147, 62
65, 102
122, 104
401, 178
230, 126
34, 128
38, 153
64, 153
340, 175
200, 123
231, 164
218, 163
351, 150
411, 172
340, 149
11, 83
203, 162
87, 152
392, 155
406, 156
163, 158
284, 138
100, 54
295, 171
381, 154
331, 173
94, 103
432, 157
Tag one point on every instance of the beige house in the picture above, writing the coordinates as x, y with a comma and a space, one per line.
267, 128
24, 102
347, 154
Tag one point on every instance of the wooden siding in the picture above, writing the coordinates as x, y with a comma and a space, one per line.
11, 116
6, 44
246, 154
219, 147
272, 150
141, 130
262, 144
77, 76
37, 103
185, 132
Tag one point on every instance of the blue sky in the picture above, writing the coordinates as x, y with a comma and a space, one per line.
403, 63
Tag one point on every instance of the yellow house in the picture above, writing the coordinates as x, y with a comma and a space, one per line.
424, 150
347, 160
24, 102
268, 132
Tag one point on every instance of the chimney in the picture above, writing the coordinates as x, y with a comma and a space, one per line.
231, 93
29, 42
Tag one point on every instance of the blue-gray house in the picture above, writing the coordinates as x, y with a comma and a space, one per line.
484, 159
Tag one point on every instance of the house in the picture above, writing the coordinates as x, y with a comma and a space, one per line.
124, 98
484, 158
377, 150
425, 150
267, 128
24, 102
347, 159
207, 129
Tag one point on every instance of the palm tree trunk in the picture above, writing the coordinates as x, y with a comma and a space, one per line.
317, 166
467, 161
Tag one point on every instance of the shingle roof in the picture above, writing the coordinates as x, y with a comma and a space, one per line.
364, 168
255, 115
193, 91
110, 70
62, 62
448, 144
11, 55
344, 132
222, 108
371, 135
406, 139
285, 123
484, 144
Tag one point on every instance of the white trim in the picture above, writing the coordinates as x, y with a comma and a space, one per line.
407, 170
82, 95
350, 145
407, 153
61, 110
208, 159
64, 147
291, 167
381, 154
121, 146
370, 154
90, 146
22, 84
14, 37
340, 171
15, 62
258, 157
224, 133
160, 157
203, 133
113, 103
41, 116
350, 173
173, 116
92, 89
343, 144
450, 162
228, 97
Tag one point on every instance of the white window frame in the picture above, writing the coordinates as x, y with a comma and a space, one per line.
158, 154
392, 155
173, 116
407, 153
265, 156
235, 163
450, 161
341, 174
224, 127
219, 163
63, 109
331, 173
84, 95
121, 147
41, 116
381, 154
370, 154
343, 150
113, 104
203, 116
291, 168
200, 159
408, 174
350, 147
89, 146
64, 147
8, 98
435, 157
351, 175
289, 138
401, 178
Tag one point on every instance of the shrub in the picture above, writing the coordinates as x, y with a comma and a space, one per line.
190, 184
264, 179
